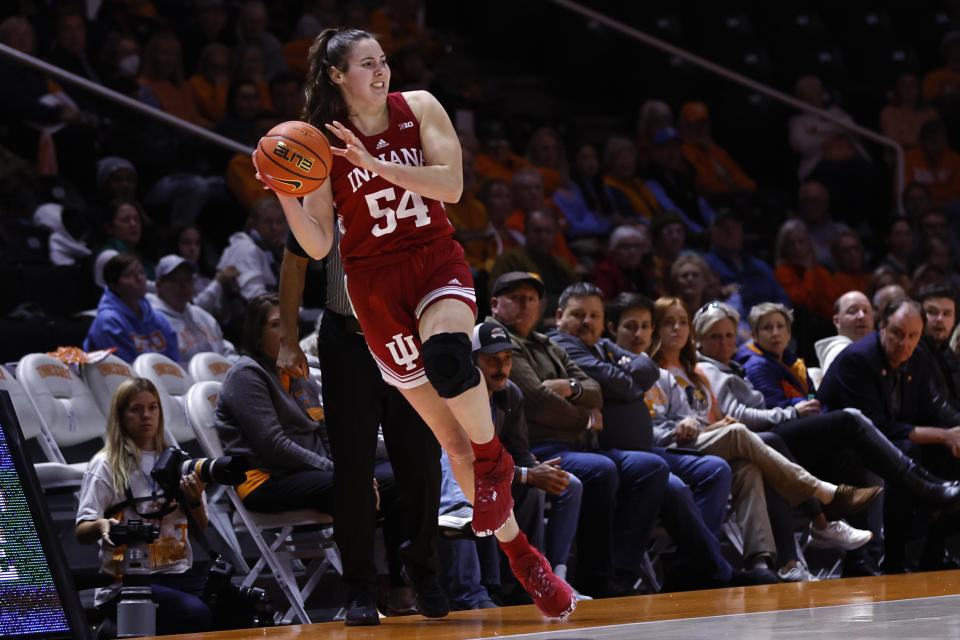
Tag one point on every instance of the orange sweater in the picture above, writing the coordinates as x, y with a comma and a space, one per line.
813, 288
943, 178
716, 172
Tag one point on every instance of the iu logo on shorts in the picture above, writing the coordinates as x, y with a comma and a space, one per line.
404, 350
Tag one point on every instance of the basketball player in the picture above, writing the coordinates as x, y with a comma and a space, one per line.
407, 278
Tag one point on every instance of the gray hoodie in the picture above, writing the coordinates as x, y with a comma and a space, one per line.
738, 398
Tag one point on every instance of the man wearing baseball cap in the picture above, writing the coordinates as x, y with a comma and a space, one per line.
717, 173
493, 350
197, 330
621, 489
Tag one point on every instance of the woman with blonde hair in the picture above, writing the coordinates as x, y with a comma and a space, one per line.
118, 487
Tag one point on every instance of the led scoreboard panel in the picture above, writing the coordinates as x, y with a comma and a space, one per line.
37, 596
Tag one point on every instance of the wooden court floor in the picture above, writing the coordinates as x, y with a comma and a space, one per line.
507, 621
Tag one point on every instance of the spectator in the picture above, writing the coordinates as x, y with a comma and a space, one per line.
903, 117
668, 178
243, 107
210, 26
626, 266
529, 195
853, 318
161, 79
241, 174
70, 44
816, 437
697, 488
939, 304
209, 84
654, 115
210, 291
847, 254
287, 96
916, 199
621, 490
497, 197
884, 377
587, 176
813, 207
630, 322
125, 319
545, 152
247, 66
496, 159
630, 196
116, 178
120, 64
398, 24
735, 266
255, 252
69, 231
669, 241
715, 172
687, 414
899, 246
197, 331
689, 275
939, 254
828, 152
943, 85
808, 284
124, 228
317, 15
534, 256
253, 22
934, 164
117, 488
494, 352
884, 294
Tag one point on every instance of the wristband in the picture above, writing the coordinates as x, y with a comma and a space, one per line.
523, 475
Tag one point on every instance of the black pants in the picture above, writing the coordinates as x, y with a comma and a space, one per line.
297, 490
356, 402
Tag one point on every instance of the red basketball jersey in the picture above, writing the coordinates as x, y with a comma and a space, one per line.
378, 219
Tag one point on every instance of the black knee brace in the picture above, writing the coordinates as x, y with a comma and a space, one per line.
449, 365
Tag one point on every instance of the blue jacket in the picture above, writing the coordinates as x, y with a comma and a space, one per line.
782, 383
117, 326
756, 279
626, 418
861, 377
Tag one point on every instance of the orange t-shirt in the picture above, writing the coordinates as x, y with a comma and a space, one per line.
943, 178
211, 100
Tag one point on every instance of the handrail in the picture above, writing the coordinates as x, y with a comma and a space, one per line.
733, 76
136, 105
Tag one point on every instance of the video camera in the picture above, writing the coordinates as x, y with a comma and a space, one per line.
136, 611
134, 531
175, 463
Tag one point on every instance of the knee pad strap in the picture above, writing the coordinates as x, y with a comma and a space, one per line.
449, 365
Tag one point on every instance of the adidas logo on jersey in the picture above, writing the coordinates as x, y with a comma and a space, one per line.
383, 143
456, 282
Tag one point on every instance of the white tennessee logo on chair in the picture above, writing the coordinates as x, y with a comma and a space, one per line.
404, 350
383, 143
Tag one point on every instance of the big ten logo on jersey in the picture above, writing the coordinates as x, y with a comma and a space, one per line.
299, 161
409, 157
404, 351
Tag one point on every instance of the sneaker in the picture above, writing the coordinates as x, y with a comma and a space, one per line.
362, 611
839, 535
797, 573
458, 519
493, 500
554, 598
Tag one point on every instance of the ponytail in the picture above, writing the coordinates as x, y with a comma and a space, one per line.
324, 101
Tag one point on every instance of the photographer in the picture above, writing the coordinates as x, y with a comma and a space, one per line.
118, 487
272, 420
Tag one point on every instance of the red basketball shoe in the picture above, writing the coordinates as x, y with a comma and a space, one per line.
492, 477
554, 597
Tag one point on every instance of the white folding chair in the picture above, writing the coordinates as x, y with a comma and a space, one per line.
209, 365
103, 378
55, 473
281, 554
63, 402
172, 383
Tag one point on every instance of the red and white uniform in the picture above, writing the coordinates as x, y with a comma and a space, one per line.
397, 248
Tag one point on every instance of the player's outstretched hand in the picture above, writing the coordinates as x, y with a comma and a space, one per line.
353, 150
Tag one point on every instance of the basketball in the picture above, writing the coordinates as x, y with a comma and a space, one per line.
294, 158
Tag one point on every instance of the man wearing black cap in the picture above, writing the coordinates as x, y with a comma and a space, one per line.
621, 489
494, 351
